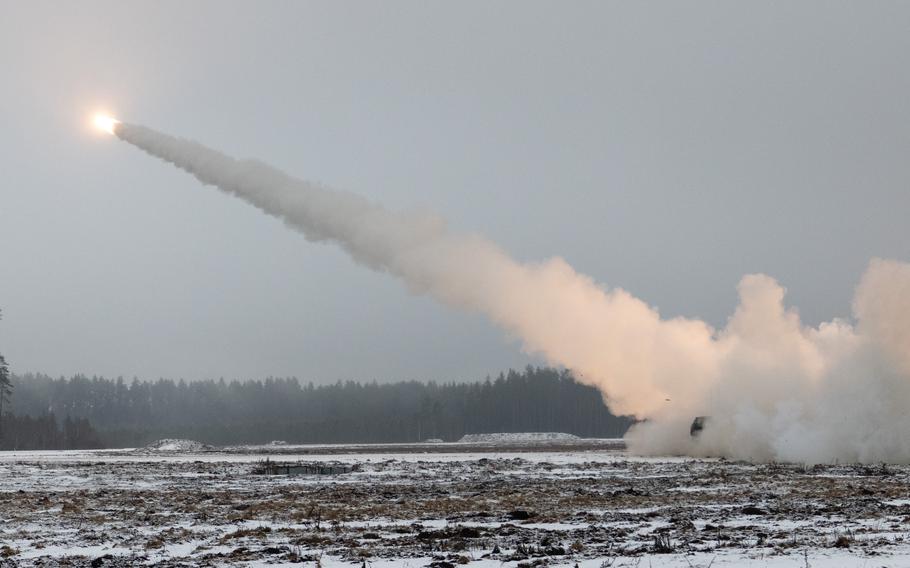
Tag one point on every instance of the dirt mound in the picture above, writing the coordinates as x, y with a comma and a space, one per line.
177, 445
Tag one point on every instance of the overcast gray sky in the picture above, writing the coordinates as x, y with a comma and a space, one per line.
668, 148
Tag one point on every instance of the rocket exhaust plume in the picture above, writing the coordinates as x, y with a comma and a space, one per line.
775, 389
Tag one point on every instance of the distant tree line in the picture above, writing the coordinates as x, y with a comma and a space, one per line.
117, 413
46, 432
42, 432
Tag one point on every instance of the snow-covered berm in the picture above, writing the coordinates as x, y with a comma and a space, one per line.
516, 437
177, 445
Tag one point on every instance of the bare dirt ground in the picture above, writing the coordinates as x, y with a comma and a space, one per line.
554, 507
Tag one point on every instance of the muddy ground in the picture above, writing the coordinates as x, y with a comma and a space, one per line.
596, 508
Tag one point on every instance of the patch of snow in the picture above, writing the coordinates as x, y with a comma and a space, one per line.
177, 445
516, 437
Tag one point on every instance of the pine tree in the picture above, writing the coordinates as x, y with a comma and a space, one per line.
6, 388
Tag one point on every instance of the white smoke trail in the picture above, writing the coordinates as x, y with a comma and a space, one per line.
775, 389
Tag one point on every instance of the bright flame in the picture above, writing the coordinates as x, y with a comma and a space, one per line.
106, 123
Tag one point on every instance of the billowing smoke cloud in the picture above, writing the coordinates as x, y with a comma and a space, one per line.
774, 388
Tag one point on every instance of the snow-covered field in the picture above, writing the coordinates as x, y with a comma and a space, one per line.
404, 507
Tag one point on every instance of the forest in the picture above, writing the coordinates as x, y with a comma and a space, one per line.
47, 432
117, 413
